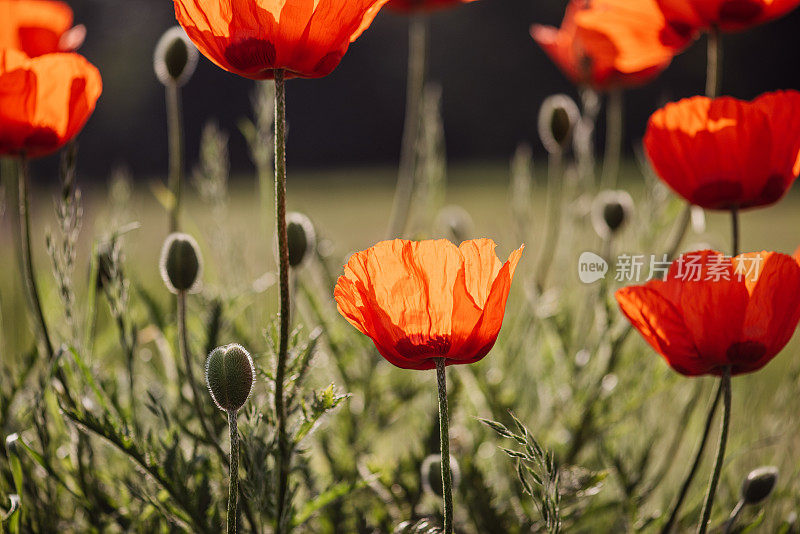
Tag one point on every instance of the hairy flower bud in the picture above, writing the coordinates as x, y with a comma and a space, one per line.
431, 472
230, 376
301, 237
758, 484
175, 57
557, 118
180, 263
611, 210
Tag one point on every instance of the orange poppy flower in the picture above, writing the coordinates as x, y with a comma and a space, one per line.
726, 153
727, 15
38, 27
422, 300
416, 6
44, 101
253, 38
610, 43
797, 255
714, 311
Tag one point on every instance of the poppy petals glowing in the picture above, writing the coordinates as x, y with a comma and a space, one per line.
727, 15
610, 43
38, 27
726, 153
44, 101
253, 38
417, 6
422, 300
713, 311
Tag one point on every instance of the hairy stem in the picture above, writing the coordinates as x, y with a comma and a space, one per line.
175, 133
233, 487
444, 437
614, 138
283, 458
725, 384
714, 65
27, 258
673, 516
417, 45
555, 188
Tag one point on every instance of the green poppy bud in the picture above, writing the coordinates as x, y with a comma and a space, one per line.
180, 263
301, 238
611, 210
175, 57
230, 376
557, 118
431, 472
758, 484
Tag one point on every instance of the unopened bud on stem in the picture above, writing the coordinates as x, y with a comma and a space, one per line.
180, 263
175, 57
230, 376
301, 237
611, 211
557, 118
758, 484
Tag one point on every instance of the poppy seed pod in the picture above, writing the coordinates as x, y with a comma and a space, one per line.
180, 263
175, 57
611, 211
230, 376
301, 237
758, 484
557, 118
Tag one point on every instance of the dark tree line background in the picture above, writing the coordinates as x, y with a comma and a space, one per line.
493, 76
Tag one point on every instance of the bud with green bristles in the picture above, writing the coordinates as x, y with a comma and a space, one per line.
180, 263
230, 376
301, 237
175, 57
557, 118
611, 211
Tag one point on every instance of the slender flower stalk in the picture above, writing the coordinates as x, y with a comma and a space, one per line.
175, 132
417, 51
283, 254
614, 138
27, 258
444, 437
233, 487
714, 65
555, 188
673, 516
183, 347
735, 230
725, 384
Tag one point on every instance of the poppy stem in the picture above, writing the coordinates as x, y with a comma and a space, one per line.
233, 487
680, 233
673, 516
735, 230
614, 138
444, 437
555, 189
714, 65
283, 253
725, 384
175, 132
27, 258
417, 51
183, 348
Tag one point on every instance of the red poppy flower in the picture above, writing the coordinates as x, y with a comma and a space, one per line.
726, 153
727, 15
797, 255
422, 300
714, 311
38, 27
44, 101
416, 6
253, 38
608, 43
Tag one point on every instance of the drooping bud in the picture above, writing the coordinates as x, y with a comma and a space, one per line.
180, 263
301, 238
431, 472
758, 484
455, 223
611, 210
175, 57
230, 376
557, 118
